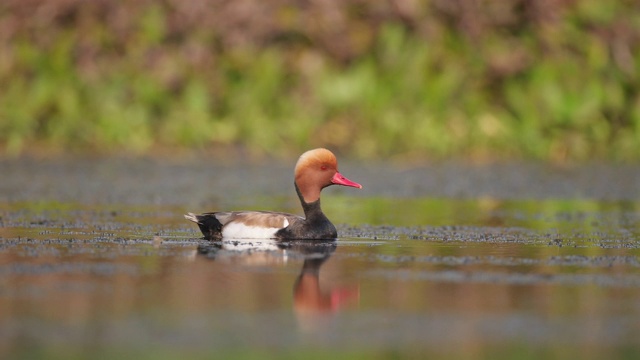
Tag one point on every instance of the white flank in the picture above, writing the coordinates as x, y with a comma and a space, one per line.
237, 230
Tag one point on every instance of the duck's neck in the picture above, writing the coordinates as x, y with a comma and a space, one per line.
312, 210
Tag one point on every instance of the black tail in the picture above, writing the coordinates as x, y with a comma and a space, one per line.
208, 223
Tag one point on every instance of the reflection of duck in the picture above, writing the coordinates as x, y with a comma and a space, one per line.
250, 252
268, 251
308, 295
315, 170
311, 302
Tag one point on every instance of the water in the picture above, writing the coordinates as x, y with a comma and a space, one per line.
118, 272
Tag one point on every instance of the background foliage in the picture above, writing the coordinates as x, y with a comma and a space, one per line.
544, 79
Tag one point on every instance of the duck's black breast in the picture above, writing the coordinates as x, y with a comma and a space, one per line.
314, 226
302, 231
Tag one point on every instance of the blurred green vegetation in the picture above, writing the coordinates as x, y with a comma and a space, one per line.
161, 352
554, 80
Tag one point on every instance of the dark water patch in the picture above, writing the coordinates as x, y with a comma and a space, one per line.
159, 181
100, 269
568, 260
537, 279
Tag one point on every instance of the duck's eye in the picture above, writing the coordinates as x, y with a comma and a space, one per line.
323, 167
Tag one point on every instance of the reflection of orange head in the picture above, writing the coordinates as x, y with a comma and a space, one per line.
313, 307
308, 296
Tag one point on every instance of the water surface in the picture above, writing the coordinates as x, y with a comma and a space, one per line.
119, 272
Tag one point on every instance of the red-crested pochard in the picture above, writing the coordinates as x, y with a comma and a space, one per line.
315, 170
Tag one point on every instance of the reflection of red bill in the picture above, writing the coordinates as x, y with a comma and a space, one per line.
309, 297
341, 297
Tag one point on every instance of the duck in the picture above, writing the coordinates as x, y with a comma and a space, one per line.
315, 170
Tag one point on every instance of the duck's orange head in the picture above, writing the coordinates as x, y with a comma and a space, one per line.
317, 169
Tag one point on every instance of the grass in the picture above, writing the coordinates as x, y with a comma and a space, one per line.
551, 92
